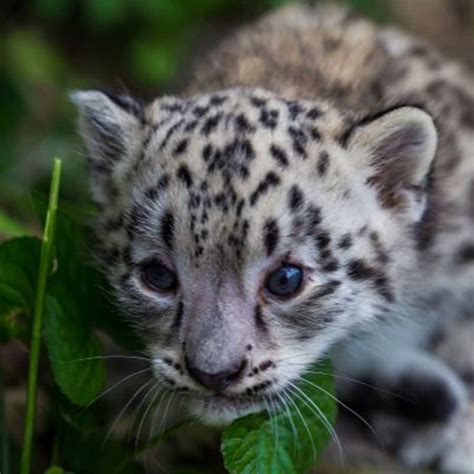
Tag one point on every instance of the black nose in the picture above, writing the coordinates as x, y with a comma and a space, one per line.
218, 381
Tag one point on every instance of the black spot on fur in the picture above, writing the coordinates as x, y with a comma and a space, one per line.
313, 218
327, 289
200, 111
170, 133
217, 100
269, 118
323, 239
279, 155
211, 124
167, 229
299, 140
271, 235
271, 180
346, 241
294, 109
207, 152
330, 265
358, 269
314, 113
172, 107
295, 198
178, 319
265, 365
465, 254
257, 102
242, 125
315, 134
181, 147
184, 175
259, 320
323, 163
190, 126
382, 255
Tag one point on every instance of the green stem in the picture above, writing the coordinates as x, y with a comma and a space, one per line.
44, 267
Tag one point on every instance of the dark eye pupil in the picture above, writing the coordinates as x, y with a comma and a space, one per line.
285, 280
159, 277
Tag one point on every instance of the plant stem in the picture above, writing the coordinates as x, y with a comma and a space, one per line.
44, 268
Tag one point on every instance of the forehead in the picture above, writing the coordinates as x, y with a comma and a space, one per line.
231, 164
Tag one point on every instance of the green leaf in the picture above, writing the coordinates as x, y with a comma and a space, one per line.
18, 273
292, 439
89, 454
74, 352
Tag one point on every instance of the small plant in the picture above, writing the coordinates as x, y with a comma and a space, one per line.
52, 296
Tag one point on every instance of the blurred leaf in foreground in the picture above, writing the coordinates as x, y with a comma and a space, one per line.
292, 439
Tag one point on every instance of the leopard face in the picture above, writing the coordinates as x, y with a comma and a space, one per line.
244, 234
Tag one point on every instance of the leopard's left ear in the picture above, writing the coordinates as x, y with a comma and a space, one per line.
396, 149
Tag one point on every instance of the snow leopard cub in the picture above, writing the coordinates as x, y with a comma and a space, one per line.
310, 193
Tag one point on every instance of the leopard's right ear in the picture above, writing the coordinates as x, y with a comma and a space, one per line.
110, 126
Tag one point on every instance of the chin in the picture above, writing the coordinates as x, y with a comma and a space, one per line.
219, 410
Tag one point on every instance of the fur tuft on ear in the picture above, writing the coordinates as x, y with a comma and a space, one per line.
109, 125
397, 148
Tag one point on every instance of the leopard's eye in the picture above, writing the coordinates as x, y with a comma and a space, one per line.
158, 277
285, 281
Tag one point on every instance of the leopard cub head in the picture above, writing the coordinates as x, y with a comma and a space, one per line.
245, 234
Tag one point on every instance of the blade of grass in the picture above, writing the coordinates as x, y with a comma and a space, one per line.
44, 267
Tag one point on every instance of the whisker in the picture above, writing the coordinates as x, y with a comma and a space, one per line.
145, 413
277, 434
289, 415
321, 416
305, 424
115, 385
124, 409
104, 357
136, 412
350, 379
330, 395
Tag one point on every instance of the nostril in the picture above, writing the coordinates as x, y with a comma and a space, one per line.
217, 381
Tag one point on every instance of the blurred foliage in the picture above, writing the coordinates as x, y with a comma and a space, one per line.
50, 47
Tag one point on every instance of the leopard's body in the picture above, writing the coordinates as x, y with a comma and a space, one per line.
313, 138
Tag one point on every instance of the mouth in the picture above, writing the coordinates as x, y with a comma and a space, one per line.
219, 409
